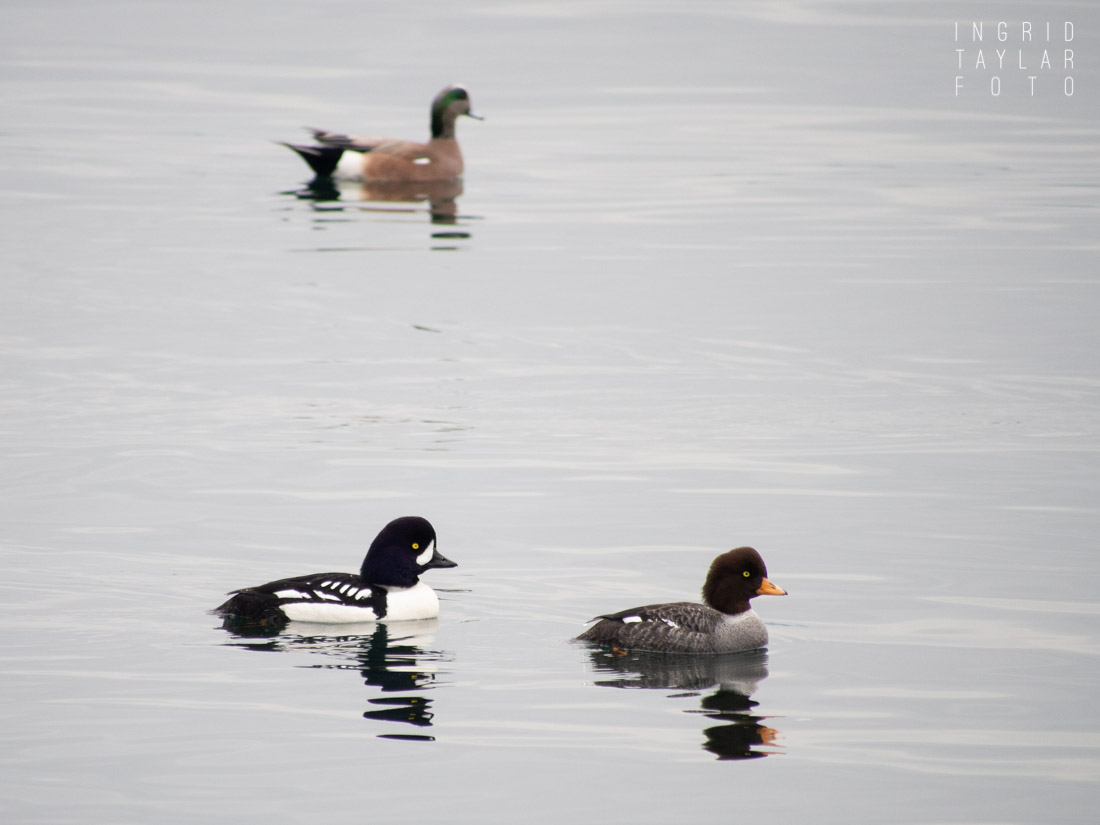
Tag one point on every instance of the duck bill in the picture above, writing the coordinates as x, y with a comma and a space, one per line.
439, 560
475, 117
768, 589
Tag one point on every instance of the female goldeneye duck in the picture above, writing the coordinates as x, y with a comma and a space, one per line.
387, 586
725, 624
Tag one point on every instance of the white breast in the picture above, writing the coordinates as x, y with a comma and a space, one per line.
408, 603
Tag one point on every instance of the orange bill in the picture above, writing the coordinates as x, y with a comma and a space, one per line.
769, 589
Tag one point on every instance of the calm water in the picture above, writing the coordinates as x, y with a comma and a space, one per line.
713, 278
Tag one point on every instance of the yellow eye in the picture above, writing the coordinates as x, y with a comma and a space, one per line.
746, 574
417, 547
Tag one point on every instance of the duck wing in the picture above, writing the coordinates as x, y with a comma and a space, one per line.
681, 626
265, 600
406, 149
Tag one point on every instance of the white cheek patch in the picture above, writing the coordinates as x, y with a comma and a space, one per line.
426, 556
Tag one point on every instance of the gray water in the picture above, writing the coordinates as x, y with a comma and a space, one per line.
719, 274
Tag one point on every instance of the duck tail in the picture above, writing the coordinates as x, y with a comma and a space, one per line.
321, 159
250, 609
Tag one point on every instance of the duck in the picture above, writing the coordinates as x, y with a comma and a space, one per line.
387, 586
724, 624
382, 159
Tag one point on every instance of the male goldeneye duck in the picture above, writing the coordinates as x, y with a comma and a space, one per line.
387, 586
725, 624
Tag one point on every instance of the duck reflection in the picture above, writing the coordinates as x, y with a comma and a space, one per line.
441, 197
741, 734
393, 658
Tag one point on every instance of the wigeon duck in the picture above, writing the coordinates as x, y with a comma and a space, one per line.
368, 158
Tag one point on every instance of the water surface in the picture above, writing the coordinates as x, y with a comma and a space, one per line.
716, 276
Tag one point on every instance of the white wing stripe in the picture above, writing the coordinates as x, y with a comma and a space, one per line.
290, 594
